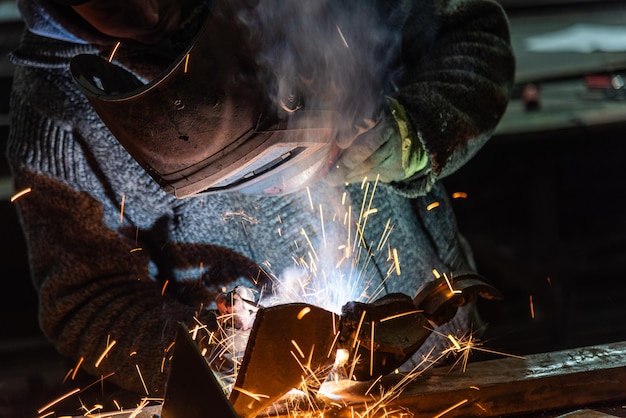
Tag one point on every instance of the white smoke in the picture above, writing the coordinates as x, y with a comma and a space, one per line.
324, 55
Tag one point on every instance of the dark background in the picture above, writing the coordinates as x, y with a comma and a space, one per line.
544, 213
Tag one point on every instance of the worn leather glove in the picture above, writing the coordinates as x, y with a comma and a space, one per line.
390, 150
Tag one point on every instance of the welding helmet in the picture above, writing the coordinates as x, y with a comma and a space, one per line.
216, 119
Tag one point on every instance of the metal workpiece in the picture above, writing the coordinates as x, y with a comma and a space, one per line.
380, 336
440, 299
290, 345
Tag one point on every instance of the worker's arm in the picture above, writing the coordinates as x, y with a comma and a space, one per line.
458, 81
458, 74
96, 289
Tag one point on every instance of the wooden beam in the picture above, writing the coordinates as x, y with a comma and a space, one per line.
569, 379
563, 379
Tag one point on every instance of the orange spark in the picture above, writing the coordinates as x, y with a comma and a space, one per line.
303, 312
77, 367
106, 351
255, 396
134, 250
432, 206
117, 45
20, 194
372, 348
389, 318
186, 63
164, 286
450, 285
459, 195
142, 381
456, 405
59, 399
295, 344
532, 307
358, 330
396, 261
122, 209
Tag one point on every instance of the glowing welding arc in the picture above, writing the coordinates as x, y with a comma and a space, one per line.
20, 194
59, 399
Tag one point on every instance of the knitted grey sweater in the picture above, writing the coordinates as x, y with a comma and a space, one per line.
114, 258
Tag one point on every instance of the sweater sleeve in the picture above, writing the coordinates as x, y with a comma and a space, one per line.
459, 75
102, 285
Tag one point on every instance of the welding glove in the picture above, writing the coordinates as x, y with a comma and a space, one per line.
389, 151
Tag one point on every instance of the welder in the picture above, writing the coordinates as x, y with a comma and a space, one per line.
136, 222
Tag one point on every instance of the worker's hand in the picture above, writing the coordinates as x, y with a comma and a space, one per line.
389, 150
145, 21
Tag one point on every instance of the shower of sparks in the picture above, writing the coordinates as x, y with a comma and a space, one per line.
462, 347
20, 194
117, 45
